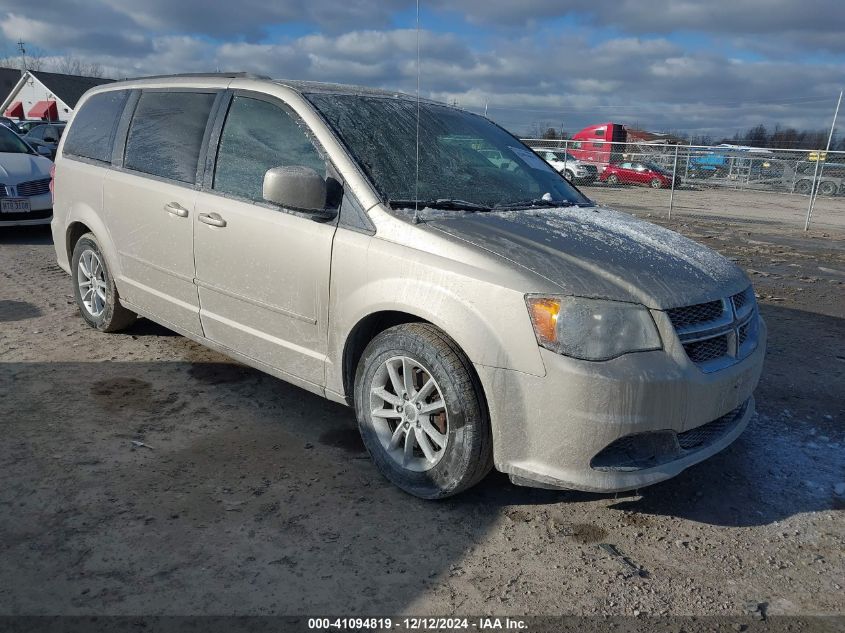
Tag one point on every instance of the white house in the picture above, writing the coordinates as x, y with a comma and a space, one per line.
48, 96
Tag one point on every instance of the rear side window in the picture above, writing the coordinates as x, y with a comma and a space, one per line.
94, 126
165, 136
258, 136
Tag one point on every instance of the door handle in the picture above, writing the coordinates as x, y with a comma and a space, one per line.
213, 219
174, 208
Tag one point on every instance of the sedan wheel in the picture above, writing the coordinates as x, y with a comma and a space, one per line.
613, 179
656, 183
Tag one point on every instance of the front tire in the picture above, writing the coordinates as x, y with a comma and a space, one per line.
421, 413
569, 175
613, 180
803, 187
94, 289
656, 183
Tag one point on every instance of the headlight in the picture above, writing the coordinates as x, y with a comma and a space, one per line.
591, 329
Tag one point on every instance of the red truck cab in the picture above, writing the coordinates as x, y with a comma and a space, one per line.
595, 144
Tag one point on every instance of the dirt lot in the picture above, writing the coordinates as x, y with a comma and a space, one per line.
254, 497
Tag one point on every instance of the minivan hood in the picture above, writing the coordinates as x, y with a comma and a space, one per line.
601, 253
16, 167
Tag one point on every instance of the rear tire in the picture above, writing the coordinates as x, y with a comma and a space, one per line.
613, 180
656, 183
431, 437
803, 187
827, 188
94, 289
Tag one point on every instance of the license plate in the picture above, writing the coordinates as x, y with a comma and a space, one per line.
15, 205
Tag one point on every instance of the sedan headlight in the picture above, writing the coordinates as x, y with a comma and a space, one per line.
591, 329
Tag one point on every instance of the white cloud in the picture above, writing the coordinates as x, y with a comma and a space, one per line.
523, 73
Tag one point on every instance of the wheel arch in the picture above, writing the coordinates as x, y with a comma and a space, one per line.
373, 324
364, 331
74, 231
83, 219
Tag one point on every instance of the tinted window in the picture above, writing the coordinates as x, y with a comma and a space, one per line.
258, 136
165, 136
92, 132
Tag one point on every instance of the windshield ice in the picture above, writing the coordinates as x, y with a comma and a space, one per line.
463, 157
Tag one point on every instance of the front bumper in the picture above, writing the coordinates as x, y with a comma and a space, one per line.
41, 213
548, 430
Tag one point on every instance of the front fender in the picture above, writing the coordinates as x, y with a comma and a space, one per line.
487, 320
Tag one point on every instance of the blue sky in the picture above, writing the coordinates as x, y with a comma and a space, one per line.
695, 67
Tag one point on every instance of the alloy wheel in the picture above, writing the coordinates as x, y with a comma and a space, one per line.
92, 282
409, 414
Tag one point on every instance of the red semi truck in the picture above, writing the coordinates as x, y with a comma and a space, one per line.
595, 144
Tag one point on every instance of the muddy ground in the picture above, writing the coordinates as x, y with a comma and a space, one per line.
251, 496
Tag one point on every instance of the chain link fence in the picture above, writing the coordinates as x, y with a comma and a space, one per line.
723, 180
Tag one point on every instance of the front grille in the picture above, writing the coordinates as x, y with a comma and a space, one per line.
34, 188
655, 448
697, 314
708, 349
717, 333
709, 433
743, 334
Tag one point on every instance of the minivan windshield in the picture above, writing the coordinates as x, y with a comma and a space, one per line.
465, 161
11, 143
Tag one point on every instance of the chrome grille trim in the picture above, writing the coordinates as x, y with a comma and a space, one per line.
718, 333
33, 188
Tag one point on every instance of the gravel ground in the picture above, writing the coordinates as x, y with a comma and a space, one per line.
250, 496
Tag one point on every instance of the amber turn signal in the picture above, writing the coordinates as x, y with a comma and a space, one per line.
544, 314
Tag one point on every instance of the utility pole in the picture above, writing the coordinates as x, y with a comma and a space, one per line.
22, 49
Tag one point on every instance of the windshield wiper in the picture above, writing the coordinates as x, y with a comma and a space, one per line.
440, 203
537, 202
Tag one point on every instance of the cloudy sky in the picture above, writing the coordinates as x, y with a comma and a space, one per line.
711, 67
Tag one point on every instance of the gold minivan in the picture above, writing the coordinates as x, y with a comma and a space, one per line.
362, 245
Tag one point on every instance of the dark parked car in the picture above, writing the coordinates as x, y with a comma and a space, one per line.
26, 126
637, 174
46, 135
10, 123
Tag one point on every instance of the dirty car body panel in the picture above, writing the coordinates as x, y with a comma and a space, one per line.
296, 298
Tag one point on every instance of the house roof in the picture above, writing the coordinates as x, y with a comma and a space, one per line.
8, 79
68, 88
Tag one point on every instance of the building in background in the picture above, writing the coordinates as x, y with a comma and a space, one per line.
43, 95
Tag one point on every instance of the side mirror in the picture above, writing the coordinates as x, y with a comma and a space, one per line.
295, 187
43, 150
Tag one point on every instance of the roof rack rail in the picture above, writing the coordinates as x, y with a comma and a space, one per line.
234, 75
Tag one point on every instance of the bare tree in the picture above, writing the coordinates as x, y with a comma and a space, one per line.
32, 60
70, 65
